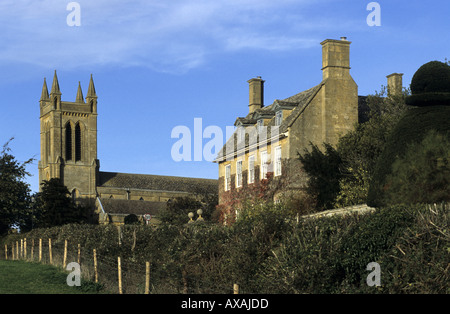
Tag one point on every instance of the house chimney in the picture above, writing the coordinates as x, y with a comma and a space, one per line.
335, 58
394, 83
256, 93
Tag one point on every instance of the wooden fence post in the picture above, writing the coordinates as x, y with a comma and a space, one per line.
235, 288
119, 271
17, 250
21, 248
147, 277
6, 252
50, 250
32, 249
40, 250
25, 248
65, 254
95, 266
79, 254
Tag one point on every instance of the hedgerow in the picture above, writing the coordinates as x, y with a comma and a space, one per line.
269, 253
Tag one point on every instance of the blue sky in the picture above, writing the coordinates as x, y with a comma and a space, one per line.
159, 64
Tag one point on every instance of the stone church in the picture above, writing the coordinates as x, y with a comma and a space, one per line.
69, 151
269, 138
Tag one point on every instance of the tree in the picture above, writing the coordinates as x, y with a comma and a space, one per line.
177, 210
14, 192
341, 176
323, 168
360, 149
422, 175
57, 207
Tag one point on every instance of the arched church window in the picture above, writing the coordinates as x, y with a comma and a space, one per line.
77, 142
68, 141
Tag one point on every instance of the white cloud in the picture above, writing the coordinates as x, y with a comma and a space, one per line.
174, 35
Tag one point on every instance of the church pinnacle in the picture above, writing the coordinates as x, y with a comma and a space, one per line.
79, 98
44, 94
91, 90
55, 85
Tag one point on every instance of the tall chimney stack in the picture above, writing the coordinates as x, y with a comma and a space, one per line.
335, 58
395, 83
256, 93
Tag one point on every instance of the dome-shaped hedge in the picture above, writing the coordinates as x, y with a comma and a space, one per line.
411, 129
430, 85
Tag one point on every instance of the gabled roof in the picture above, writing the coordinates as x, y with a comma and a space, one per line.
157, 182
297, 103
302, 100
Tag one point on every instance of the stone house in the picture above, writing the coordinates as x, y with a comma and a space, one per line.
269, 138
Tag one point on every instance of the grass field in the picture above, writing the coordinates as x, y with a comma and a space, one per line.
19, 277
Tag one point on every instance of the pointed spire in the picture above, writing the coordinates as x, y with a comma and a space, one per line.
91, 90
79, 94
55, 85
44, 94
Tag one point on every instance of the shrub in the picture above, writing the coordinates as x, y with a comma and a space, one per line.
369, 240
419, 261
304, 261
432, 77
430, 85
324, 174
423, 174
267, 253
411, 129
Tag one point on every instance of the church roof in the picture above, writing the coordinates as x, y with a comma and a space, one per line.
126, 207
157, 182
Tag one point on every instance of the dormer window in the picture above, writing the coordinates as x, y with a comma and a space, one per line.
260, 124
241, 134
278, 117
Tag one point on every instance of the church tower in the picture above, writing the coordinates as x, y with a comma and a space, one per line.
69, 139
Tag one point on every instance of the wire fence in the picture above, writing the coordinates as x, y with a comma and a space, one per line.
114, 274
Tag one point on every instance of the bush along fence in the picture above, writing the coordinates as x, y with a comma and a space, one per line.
114, 274
265, 253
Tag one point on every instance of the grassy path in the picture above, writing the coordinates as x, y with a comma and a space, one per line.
19, 277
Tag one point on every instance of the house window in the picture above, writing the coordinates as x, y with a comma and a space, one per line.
77, 142
68, 141
277, 169
278, 117
251, 169
239, 173
264, 165
227, 177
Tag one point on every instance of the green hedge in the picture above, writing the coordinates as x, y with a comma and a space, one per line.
270, 254
428, 99
432, 77
412, 128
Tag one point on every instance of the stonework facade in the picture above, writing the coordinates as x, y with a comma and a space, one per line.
269, 138
69, 152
